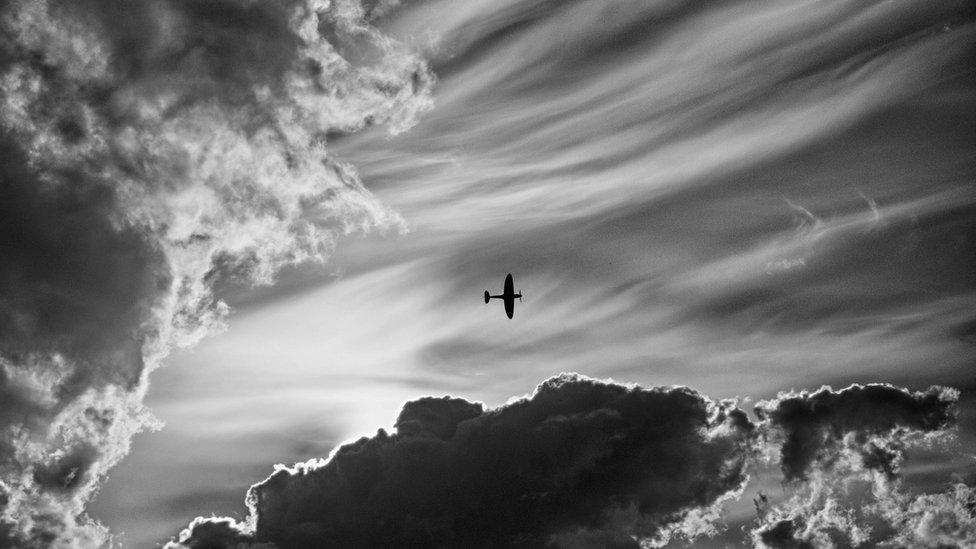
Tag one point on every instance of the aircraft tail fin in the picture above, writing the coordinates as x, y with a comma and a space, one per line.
487, 296
520, 296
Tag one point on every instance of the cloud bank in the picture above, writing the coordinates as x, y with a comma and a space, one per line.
579, 462
152, 153
586, 463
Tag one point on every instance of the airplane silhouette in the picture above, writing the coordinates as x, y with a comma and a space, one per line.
508, 296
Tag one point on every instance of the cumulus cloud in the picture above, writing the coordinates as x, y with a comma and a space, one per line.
932, 520
834, 511
578, 463
587, 463
152, 151
840, 453
872, 422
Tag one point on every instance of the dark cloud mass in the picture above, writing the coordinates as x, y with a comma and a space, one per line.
579, 462
66, 259
151, 152
586, 463
871, 420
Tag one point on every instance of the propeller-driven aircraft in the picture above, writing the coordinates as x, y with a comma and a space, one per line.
508, 296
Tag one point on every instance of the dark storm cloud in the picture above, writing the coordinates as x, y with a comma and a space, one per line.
872, 420
580, 461
151, 151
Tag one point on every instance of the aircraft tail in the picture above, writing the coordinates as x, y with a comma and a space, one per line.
487, 296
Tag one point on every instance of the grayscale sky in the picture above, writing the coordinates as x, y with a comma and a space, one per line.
739, 197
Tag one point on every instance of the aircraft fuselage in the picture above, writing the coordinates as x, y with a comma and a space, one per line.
508, 296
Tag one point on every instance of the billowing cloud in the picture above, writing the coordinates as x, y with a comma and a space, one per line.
933, 520
845, 510
153, 151
577, 463
587, 463
872, 421
840, 453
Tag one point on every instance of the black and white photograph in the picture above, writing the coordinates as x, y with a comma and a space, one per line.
563, 274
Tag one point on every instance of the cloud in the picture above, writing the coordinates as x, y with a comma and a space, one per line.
829, 512
872, 421
932, 520
153, 153
578, 462
840, 453
584, 463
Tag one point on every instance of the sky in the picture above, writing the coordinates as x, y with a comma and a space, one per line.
236, 236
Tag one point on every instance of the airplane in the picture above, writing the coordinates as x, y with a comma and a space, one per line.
508, 296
